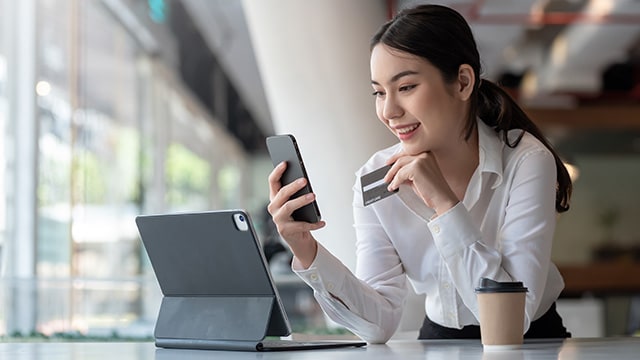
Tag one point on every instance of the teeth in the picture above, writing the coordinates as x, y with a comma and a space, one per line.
407, 129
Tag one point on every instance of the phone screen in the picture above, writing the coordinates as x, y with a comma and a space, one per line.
285, 148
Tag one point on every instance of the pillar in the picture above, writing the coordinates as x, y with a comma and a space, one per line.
313, 57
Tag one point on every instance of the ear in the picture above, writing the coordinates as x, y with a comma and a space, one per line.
466, 81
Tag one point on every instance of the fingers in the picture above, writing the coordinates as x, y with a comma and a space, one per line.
395, 157
393, 177
274, 179
292, 229
278, 194
399, 177
297, 234
282, 205
393, 160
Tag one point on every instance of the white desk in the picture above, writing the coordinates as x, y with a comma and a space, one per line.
582, 349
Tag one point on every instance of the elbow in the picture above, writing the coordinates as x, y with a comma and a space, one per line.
378, 337
377, 341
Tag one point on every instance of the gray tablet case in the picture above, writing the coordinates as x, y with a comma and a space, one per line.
218, 292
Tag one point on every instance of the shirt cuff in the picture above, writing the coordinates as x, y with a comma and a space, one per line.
454, 231
325, 274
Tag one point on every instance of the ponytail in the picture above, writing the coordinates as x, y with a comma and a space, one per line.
441, 36
498, 110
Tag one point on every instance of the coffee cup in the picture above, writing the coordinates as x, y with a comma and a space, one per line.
501, 306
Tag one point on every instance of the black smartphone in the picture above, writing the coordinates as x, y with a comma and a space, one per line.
285, 148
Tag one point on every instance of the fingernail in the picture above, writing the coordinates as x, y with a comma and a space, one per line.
301, 181
309, 196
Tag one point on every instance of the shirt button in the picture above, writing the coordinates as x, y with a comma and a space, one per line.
436, 229
314, 277
330, 286
446, 285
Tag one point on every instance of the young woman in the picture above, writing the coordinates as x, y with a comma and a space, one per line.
479, 189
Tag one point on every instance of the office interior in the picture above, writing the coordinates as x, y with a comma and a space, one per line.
114, 108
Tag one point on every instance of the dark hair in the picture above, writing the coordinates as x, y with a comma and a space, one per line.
442, 36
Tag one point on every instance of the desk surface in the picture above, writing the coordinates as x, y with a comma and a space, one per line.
583, 349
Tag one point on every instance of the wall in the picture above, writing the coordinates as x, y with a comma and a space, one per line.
606, 183
603, 141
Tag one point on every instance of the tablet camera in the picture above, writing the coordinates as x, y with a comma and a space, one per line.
241, 222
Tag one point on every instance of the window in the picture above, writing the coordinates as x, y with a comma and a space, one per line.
118, 135
3, 135
54, 115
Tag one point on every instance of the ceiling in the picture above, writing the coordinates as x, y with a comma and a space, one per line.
224, 29
557, 52
552, 53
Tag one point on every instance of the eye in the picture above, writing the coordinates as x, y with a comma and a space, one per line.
406, 87
377, 93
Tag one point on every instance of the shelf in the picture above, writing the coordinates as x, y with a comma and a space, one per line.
620, 277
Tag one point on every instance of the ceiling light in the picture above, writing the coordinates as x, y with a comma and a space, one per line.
538, 11
599, 8
559, 50
529, 84
43, 88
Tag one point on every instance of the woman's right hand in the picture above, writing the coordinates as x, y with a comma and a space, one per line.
297, 234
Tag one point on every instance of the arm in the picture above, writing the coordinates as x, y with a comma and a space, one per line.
523, 249
369, 304
370, 308
297, 234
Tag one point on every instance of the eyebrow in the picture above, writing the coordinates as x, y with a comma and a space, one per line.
398, 76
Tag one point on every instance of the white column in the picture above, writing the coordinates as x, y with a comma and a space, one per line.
21, 239
314, 62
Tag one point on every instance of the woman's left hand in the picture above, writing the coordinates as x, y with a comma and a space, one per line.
422, 172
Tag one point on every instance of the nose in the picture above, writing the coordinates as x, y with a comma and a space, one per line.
391, 109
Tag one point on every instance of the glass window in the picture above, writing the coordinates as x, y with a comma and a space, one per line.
3, 197
118, 135
3, 135
106, 150
188, 158
55, 138
188, 178
88, 187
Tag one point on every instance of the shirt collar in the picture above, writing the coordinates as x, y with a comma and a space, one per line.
489, 161
490, 154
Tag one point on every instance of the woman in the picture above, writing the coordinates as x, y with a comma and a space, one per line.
479, 188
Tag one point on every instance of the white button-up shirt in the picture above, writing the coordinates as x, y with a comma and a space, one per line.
502, 229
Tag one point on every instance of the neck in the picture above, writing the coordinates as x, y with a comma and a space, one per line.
458, 163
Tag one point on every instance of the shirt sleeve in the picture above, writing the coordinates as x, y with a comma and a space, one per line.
369, 304
523, 251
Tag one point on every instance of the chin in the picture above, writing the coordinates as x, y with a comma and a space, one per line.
414, 149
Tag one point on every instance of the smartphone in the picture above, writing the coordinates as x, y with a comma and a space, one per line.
285, 148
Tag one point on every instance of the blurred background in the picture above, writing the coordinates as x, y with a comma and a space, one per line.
114, 108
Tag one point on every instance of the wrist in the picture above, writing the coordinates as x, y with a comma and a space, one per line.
304, 254
445, 205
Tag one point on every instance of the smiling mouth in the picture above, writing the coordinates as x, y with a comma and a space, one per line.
407, 129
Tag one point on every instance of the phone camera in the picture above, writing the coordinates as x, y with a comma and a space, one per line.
241, 217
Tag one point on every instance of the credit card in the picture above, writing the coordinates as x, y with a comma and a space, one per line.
373, 186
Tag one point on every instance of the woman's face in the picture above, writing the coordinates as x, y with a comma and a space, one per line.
414, 102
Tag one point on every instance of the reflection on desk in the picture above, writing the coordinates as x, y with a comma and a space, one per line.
572, 349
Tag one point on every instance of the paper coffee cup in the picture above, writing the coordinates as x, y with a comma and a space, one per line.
501, 307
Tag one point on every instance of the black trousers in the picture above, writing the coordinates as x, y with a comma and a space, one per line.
547, 326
